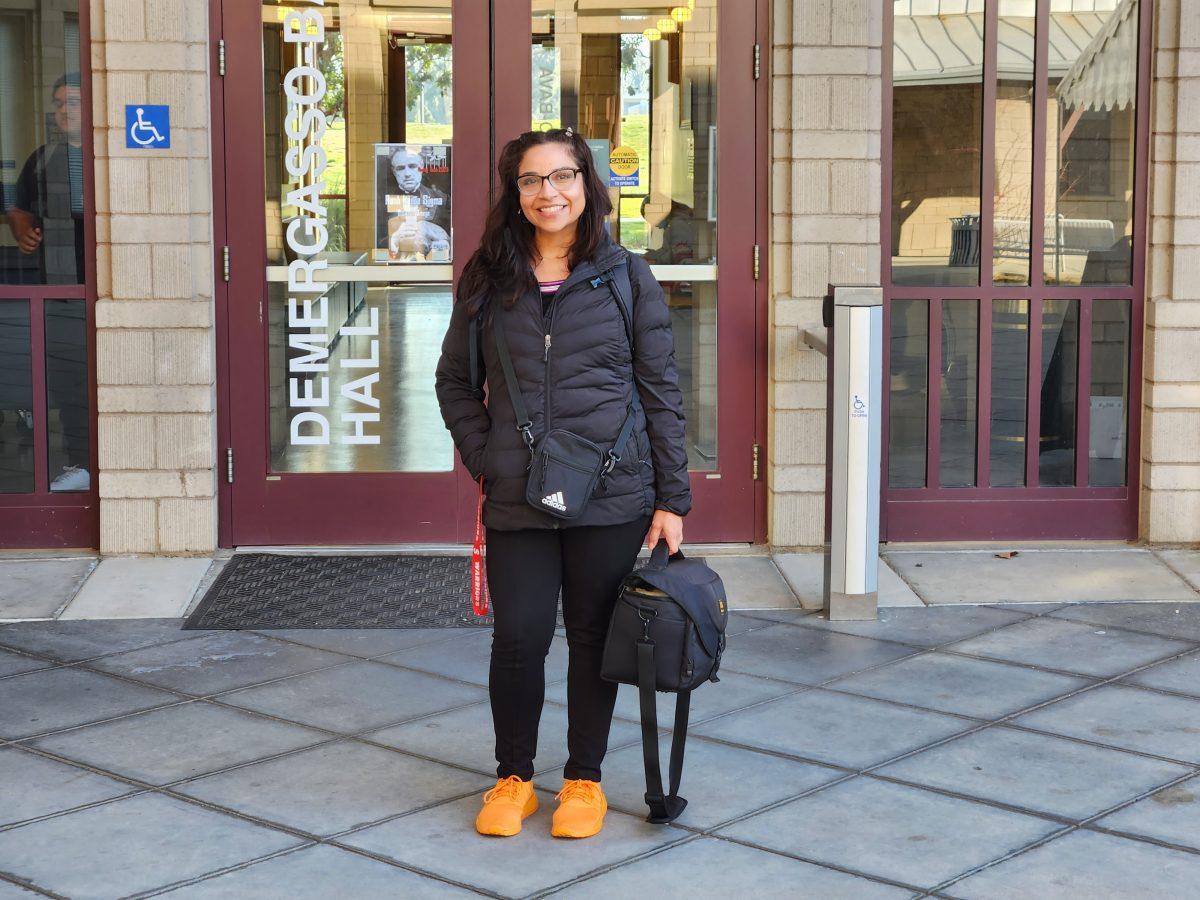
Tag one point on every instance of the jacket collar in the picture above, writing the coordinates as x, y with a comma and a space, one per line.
607, 254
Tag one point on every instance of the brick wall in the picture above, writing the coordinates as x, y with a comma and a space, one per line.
1171, 412
825, 190
154, 320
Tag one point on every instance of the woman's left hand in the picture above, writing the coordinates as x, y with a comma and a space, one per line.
668, 526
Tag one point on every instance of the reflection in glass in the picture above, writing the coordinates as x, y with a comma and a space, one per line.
651, 104
67, 395
908, 386
1010, 358
694, 328
1109, 393
958, 397
937, 116
16, 399
356, 393
1059, 365
41, 141
1090, 124
388, 79
1013, 189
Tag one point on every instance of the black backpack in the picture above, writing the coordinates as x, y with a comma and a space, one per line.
667, 633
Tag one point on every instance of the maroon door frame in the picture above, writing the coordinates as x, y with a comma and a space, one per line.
369, 508
44, 519
1030, 512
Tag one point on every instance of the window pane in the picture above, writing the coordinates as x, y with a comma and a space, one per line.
387, 136
1090, 124
1013, 189
351, 367
908, 386
1060, 357
67, 395
694, 329
958, 398
16, 399
937, 105
1109, 393
645, 99
41, 143
1010, 373
329, 410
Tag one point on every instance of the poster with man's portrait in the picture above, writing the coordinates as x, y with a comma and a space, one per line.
412, 203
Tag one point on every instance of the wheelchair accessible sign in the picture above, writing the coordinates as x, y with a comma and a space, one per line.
147, 127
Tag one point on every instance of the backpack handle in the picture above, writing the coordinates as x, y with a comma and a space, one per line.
659, 555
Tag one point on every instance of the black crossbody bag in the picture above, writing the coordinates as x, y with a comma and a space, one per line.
566, 467
667, 633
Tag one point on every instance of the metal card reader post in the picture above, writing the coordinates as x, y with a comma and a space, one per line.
851, 588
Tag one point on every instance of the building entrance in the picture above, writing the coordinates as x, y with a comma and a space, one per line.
359, 146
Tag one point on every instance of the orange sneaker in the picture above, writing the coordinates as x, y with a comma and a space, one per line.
581, 809
505, 806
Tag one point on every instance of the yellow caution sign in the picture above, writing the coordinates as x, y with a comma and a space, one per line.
623, 167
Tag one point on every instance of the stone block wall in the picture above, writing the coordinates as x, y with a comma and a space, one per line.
1171, 400
825, 191
155, 357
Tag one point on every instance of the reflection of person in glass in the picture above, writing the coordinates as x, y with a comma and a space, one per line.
422, 223
45, 213
680, 231
45, 216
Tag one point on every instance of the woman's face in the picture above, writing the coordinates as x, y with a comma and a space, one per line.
552, 209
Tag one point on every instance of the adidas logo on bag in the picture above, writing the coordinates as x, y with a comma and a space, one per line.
555, 501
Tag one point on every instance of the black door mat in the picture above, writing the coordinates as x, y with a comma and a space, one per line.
271, 590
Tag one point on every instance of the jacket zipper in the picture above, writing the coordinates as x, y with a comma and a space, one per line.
546, 360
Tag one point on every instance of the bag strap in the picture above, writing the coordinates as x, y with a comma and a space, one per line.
663, 808
617, 279
618, 282
524, 423
473, 338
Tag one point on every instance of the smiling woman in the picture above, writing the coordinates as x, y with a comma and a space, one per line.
579, 445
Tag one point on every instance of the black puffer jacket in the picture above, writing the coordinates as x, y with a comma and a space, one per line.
581, 384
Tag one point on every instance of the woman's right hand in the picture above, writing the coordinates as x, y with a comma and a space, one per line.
667, 526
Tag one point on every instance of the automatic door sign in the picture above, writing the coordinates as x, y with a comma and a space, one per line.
147, 127
623, 167
859, 410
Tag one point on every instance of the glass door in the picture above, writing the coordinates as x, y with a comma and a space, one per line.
1013, 247
352, 137
360, 141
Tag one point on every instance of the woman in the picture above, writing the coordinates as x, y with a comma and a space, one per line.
544, 242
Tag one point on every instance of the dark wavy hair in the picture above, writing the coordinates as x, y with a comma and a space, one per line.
500, 267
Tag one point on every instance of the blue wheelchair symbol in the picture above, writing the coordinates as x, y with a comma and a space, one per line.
147, 126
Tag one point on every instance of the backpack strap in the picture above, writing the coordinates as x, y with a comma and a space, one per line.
473, 337
524, 423
663, 807
617, 279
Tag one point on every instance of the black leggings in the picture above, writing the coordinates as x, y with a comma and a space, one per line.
525, 571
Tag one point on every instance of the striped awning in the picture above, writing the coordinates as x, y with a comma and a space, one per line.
934, 47
1104, 77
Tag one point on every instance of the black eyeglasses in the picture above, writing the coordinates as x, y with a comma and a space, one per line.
560, 178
